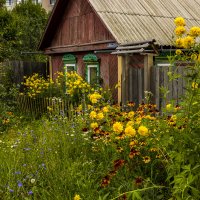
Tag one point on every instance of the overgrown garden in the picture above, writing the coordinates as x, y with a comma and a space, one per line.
97, 150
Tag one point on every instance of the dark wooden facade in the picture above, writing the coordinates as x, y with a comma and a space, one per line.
80, 31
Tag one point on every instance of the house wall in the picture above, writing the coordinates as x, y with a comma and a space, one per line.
108, 68
80, 25
81, 32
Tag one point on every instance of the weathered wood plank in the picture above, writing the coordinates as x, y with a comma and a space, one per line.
131, 84
140, 85
135, 85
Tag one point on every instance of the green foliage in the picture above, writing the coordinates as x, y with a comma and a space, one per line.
181, 143
103, 152
21, 30
2, 3
8, 93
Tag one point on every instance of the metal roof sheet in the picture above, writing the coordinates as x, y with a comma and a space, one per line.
138, 20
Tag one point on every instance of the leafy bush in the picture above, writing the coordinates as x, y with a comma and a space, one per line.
105, 152
8, 104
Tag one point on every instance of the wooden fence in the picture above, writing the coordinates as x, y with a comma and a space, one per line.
18, 69
51, 106
164, 89
159, 82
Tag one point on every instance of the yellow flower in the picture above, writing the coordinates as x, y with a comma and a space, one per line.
174, 117
93, 115
180, 30
131, 114
118, 85
118, 127
143, 130
179, 21
133, 143
194, 56
100, 116
80, 108
178, 52
169, 106
77, 197
194, 31
149, 117
90, 107
94, 100
179, 42
105, 109
6, 121
138, 120
146, 159
195, 85
153, 149
188, 41
49, 108
130, 123
198, 59
94, 125
130, 132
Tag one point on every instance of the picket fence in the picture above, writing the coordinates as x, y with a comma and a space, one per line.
49, 106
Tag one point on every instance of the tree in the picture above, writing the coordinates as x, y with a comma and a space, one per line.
8, 34
2, 3
21, 30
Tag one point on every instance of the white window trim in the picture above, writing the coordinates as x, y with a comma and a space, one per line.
70, 65
88, 72
51, 2
164, 64
19, 1
9, 2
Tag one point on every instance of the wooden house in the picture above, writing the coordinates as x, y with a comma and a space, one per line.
117, 41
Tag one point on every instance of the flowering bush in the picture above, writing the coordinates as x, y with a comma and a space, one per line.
104, 151
8, 93
181, 142
185, 39
37, 86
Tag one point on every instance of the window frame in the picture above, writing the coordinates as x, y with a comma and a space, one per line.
52, 2
91, 61
69, 60
89, 66
9, 2
69, 65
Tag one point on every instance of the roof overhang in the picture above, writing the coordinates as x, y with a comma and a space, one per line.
147, 46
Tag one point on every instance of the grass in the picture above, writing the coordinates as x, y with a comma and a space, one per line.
51, 160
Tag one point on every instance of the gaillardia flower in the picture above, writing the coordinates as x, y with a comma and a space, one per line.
130, 131
117, 127
143, 130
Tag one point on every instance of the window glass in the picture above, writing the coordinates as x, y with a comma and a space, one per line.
69, 67
52, 2
9, 2
19, 1
92, 74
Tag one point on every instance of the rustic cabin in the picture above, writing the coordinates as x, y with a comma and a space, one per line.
118, 41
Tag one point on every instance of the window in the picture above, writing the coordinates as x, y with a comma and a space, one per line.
70, 67
69, 61
52, 2
9, 2
19, 1
92, 68
36, 1
92, 74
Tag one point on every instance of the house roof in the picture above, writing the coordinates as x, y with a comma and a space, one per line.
138, 20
